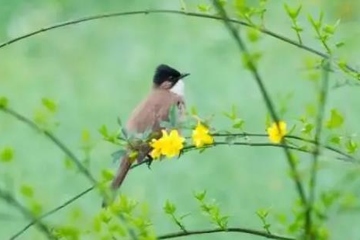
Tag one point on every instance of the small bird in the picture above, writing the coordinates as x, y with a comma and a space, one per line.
167, 91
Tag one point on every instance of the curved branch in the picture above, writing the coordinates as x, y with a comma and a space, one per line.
218, 230
164, 11
53, 139
7, 197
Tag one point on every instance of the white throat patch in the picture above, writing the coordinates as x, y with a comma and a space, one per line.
178, 88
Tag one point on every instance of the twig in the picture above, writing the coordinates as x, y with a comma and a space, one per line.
53, 139
218, 230
268, 102
346, 156
7, 197
164, 11
316, 153
58, 208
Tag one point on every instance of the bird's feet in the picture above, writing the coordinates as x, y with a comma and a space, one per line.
149, 161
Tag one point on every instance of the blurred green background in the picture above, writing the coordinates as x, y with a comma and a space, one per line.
99, 70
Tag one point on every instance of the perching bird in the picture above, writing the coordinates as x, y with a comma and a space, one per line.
167, 91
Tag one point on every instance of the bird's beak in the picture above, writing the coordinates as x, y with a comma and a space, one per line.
183, 75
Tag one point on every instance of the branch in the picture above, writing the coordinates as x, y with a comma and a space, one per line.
314, 166
53, 139
163, 11
60, 207
267, 99
217, 230
346, 157
7, 197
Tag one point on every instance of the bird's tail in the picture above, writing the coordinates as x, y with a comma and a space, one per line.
120, 175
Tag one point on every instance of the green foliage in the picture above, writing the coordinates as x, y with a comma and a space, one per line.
7, 154
336, 120
3, 102
212, 210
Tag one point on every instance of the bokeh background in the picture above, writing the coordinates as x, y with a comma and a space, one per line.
99, 70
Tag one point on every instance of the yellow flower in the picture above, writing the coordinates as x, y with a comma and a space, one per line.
201, 136
168, 145
277, 131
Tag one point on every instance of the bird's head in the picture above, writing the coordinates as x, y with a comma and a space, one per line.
166, 77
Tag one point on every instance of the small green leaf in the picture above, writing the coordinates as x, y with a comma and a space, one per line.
203, 8
36, 208
7, 154
238, 123
253, 34
107, 175
3, 102
339, 44
351, 146
307, 129
293, 13
103, 131
335, 140
193, 111
49, 104
27, 191
336, 120
169, 207
68, 163
200, 195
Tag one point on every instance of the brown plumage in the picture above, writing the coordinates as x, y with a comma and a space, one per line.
149, 114
167, 91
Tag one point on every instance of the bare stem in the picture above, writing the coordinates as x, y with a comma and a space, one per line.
164, 11
227, 230
54, 140
312, 184
267, 99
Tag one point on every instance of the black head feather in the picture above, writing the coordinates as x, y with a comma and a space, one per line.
165, 73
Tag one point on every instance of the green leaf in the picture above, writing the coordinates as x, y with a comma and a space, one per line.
27, 191
351, 146
200, 195
335, 140
193, 111
336, 120
3, 102
293, 13
307, 129
238, 123
49, 104
36, 208
103, 131
68, 163
107, 175
253, 34
203, 8
7, 154
169, 207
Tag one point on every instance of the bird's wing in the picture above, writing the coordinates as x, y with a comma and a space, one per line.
153, 110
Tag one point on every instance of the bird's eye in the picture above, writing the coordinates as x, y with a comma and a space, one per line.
171, 77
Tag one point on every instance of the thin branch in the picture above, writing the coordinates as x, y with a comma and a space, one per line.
218, 230
164, 11
346, 157
314, 167
234, 33
53, 139
61, 206
7, 197
37, 220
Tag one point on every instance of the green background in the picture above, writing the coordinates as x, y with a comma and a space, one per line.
100, 70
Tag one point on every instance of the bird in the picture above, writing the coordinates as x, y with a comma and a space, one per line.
168, 90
